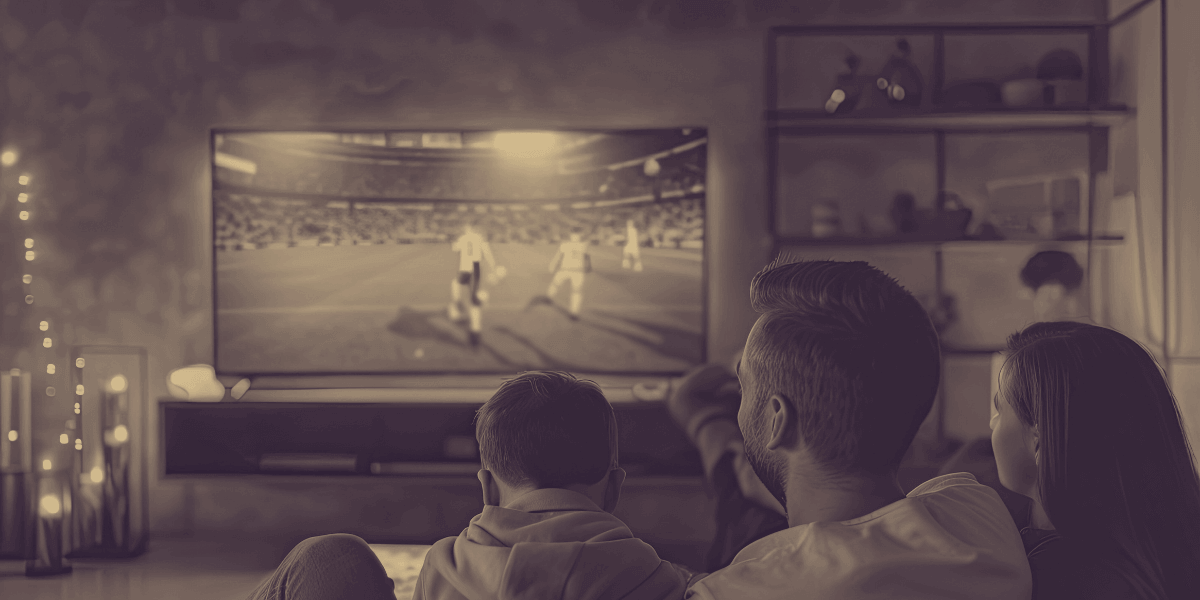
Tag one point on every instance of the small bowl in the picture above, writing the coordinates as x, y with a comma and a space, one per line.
1023, 93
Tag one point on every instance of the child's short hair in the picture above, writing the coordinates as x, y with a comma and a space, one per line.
547, 429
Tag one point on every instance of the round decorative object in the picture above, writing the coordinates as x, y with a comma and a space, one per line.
1060, 64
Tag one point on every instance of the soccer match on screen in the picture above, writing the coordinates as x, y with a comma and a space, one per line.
459, 251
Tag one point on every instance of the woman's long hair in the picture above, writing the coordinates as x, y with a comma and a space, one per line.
1115, 470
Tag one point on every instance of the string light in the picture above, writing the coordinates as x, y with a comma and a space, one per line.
23, 180
22, 197
30, 255
27, 279
28, 242
8, 158
44, 325
23, 215
49, 369
64, 439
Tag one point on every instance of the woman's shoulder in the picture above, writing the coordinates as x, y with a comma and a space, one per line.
1064, 570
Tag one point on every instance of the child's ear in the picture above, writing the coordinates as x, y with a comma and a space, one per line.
491, 490
612, 491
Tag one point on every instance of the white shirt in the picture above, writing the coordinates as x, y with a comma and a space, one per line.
631, 239
572, 256
950, 538
470, 247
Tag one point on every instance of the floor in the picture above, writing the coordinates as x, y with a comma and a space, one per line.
184, 569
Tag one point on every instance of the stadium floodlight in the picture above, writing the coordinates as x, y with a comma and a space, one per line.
525, 144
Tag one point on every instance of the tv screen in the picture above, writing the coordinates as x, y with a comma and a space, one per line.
447, 252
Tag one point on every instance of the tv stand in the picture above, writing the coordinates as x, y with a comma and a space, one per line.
315, 435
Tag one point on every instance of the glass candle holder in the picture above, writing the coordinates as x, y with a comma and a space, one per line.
16, 464
110, 515
45, 554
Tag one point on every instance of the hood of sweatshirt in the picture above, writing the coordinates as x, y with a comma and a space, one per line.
549, 544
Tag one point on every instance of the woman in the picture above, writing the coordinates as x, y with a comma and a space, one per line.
1085, 426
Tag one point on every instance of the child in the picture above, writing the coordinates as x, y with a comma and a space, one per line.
548, 445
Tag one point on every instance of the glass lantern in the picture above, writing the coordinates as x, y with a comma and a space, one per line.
110, 515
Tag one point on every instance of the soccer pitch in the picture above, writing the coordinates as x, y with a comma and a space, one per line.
382, 308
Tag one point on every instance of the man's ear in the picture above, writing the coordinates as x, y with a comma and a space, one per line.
782, 422
612, 491
491, 490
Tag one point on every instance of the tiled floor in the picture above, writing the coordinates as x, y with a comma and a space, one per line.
183, 569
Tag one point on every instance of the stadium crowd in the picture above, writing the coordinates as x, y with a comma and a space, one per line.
253, 222
470, 181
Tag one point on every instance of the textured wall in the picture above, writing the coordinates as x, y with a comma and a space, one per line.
109, 103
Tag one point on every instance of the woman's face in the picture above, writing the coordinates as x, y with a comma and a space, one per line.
1015, 447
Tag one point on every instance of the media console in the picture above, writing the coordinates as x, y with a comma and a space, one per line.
377, 439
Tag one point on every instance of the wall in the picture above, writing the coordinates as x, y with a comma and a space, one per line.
110, 103
1183, 209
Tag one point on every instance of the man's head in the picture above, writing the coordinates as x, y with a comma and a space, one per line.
548, 429
1054, 277
839, 371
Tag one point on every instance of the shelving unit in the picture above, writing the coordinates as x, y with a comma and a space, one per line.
929, 149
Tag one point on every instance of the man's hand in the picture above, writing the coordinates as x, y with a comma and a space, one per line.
706, 392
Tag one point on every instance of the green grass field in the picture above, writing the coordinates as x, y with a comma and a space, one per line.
382, 308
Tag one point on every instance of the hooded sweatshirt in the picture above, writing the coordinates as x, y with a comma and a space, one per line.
548, 544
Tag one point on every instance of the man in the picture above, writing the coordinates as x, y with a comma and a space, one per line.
838, 374
471, 248
631, 258
569, 264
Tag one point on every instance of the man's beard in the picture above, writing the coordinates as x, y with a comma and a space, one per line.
770, 468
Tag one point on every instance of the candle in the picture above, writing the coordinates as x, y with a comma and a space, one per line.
48, 555
6, 421
26, 408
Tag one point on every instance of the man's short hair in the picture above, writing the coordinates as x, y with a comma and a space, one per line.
855, 354
547, 429
1052, 266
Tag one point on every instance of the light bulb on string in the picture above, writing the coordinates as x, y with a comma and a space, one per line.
28, 242
29, 255
23, 180
22, 197
23, 215
44, 325
8, 158
27, 279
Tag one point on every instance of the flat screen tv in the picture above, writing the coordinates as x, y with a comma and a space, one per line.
458, 252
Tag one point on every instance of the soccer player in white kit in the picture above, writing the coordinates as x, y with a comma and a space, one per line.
569, 264
632, 257
471, 248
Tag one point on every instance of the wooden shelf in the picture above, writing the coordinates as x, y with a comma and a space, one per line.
893, 241
998, 119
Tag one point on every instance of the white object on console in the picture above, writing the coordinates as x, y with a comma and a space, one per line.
195, 382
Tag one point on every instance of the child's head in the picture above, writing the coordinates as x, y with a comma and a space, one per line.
547, 429
1054, 277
